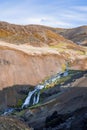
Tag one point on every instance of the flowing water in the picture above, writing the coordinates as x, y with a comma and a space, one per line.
35, 94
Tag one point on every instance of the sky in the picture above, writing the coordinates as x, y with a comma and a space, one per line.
54, 13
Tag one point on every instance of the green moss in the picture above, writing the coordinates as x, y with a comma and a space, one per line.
72, 72
19, 103
21, 113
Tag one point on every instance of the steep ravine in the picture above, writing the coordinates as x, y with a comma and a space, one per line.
33, 54
23, 65
22, 68
18, 67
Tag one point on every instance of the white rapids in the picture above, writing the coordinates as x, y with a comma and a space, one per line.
35, 94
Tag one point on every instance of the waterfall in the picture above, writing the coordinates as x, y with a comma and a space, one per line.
27, 100
35, 94
36, 98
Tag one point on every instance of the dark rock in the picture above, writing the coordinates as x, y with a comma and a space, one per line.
53, 120
11, 97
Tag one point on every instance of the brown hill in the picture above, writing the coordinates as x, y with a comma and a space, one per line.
32, 54
31, 58
77, 35
37, 35
32, 62
24, 64
34, 35
20, 66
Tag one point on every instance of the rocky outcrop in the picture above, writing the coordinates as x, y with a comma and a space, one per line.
70, 102
13, 96
72, 121
7, 123
18, 67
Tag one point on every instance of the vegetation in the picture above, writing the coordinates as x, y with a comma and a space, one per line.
19, 104
61, 80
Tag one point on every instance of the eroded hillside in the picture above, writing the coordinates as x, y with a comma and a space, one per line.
38, 52
37, 35
34, 35
77, 35
20, 66
29, 55
24, 64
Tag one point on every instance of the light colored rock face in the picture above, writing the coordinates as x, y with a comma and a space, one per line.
24, 64
18, 67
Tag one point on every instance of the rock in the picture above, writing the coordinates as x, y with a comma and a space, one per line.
53, 120
27, 115
12, 97
7, 123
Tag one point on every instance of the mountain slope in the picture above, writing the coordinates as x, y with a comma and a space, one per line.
31, 58
37, 35
25, 62
34, 35
77, 35
67, 103
26, 65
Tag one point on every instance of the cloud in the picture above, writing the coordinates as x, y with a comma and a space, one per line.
55, 22
54, 13
80, 8
75, 16
33, 20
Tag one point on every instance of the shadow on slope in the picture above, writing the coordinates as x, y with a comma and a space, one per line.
67, 103
13, 96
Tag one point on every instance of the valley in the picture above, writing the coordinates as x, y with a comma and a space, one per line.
32, 58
